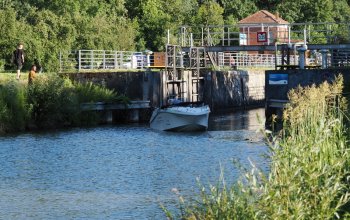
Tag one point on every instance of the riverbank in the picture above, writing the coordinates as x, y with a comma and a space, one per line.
309, 170
50, 102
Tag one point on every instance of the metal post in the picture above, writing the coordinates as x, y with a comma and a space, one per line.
92, 59
289, 34
228, 36
115, 60
248, 37
208, 37
223, 36
305, 36
301, 52
202, 36
324, 58
121, 59
191, 40
168, 36
79, 60
104, 59
276, 56
148, 60
182, 36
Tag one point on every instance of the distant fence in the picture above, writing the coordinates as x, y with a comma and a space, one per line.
246, 60
242, 60
103, 59
85, 60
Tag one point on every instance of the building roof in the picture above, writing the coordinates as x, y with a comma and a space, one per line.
263, 16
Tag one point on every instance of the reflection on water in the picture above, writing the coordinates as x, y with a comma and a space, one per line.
118, 172
239, 120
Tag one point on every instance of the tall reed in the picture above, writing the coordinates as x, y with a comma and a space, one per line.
14, 109
309, 171
310, 162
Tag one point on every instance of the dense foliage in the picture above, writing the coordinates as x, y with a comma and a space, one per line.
50, 102
309, 170
48, 27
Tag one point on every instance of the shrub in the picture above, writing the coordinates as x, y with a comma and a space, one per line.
53, 102
89, 92
50, 102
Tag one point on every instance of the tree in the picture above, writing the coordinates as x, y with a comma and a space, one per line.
269, 5
210, 17
154, 23
239, 9
301, 11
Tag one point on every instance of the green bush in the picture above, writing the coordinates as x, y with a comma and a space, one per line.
53, 103
50, 102
89, 92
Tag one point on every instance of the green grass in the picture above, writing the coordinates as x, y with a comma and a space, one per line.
309, 171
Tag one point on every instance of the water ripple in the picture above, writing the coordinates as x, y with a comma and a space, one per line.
113, 172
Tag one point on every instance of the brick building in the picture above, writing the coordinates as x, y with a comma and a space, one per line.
263, 28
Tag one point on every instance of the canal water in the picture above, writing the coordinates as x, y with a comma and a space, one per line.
120, 172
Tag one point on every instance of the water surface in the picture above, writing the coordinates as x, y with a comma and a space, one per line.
119, 172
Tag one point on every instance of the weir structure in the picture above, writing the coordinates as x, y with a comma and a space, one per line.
183, 78
295, 46
294, 54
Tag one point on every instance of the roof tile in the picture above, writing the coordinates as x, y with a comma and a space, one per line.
263, 16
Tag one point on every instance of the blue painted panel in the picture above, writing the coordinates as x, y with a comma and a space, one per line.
278, 79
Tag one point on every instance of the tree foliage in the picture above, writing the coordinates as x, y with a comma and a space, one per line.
48, 27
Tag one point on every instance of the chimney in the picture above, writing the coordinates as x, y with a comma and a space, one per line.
277, 15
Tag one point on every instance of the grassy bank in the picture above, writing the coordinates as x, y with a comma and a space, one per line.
309, 171
50, 102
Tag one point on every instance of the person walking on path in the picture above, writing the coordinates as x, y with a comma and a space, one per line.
31, 75
18, 58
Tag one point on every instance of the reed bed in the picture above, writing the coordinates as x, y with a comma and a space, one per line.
309, 171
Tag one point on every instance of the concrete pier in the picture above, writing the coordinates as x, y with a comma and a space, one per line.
110, 110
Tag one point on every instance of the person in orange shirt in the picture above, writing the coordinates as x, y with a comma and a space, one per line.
32, 74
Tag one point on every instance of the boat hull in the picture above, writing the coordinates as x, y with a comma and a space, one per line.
180, 119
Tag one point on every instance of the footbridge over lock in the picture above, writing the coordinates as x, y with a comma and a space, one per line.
269, 45
302, 54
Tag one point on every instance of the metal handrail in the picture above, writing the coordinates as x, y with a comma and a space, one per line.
104, 59
312, 32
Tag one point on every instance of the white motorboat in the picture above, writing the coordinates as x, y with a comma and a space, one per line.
182, 117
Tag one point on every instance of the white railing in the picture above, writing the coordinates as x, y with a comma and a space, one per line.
246, 34
245, 60
104, 59
112, 60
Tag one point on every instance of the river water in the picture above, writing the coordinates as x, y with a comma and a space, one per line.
120, 171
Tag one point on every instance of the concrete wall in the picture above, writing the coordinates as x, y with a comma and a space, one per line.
303, 78
221, 90
232, 89
277, 94
143, 85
